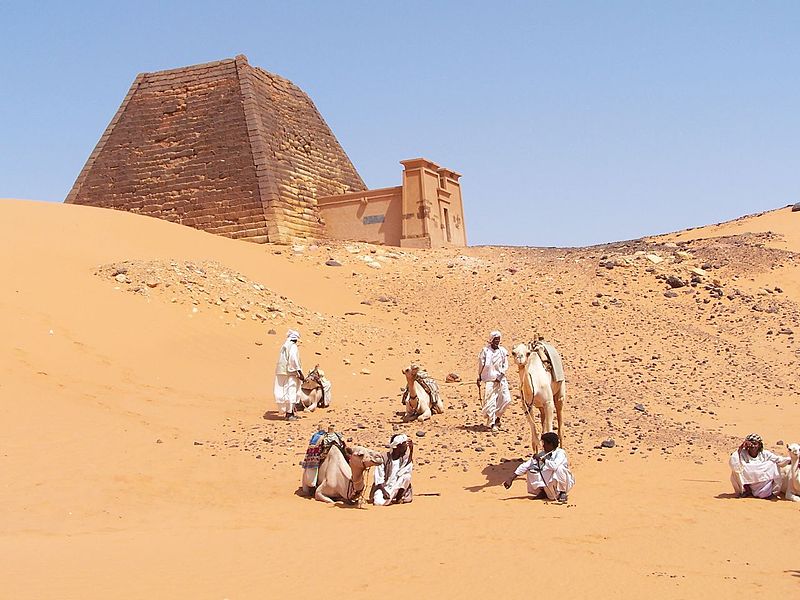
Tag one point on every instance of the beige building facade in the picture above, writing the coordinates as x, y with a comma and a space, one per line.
426, 211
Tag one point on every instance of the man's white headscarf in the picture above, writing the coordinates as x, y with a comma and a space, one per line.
400, 438
494, 334
292, 335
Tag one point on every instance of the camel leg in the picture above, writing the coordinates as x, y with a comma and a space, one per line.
322, 497
532, 422
425, 415
559, 402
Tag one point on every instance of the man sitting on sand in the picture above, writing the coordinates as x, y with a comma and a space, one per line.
754, 471
548, 471
393, 477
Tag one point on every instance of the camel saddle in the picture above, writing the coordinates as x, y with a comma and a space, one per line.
313, 381
551, 359
319, 447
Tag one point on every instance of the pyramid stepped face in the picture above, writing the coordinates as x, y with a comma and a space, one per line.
224, 147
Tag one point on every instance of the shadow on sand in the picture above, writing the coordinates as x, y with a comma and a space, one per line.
732, 496
495, 475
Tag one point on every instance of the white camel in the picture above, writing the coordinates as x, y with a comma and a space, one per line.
419, 403
341, 477
539, 389
791, 475
314, 392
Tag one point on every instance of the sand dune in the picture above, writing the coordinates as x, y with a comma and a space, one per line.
138, 460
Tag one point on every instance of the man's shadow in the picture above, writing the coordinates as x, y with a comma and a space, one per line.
273, 416
474, 428
495, 475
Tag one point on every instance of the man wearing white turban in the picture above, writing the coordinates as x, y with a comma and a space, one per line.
393, 477
492, 368
755, 471
288, 375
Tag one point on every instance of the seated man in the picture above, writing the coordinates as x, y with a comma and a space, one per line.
393, 477
754, 471
548, 471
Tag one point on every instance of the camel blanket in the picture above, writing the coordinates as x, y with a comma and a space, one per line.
555, 359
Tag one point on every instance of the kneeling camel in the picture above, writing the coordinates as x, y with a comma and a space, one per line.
342, 476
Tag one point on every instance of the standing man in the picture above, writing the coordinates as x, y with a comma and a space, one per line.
492, 368
288, 375
548, 471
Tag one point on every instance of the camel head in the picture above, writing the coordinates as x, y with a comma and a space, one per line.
367, 458
411, 372
521, 353
794, 452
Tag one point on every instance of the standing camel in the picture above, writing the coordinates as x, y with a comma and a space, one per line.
421, 400
539, 389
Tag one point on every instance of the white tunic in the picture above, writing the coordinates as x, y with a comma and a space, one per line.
399, 477
551, 474
492, 363
287, 380
760, 472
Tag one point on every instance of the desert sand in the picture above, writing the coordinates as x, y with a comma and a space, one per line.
142, 457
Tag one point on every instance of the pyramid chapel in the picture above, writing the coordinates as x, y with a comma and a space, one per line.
236, 151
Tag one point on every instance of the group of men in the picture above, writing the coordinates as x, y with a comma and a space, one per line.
755, 472
548, 473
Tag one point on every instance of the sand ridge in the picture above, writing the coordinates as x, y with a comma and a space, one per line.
139, 459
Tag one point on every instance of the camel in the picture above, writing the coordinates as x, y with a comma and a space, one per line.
341, 477
314, 392
791, 475
539, 389
420, 402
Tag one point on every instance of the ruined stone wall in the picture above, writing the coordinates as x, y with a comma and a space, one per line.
223, 147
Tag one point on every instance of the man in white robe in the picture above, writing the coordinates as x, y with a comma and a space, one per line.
754, 471
393, 477
492, 368
288, 376
548, 471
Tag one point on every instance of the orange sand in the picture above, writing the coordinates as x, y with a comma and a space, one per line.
133, 452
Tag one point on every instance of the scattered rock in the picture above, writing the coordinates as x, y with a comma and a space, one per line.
196, 443
365, 371
121, 278
421, 433
671, 294
779, 443
272, 332
639, 407
452, 378
609, 443
674, 281
654, 258
331, 262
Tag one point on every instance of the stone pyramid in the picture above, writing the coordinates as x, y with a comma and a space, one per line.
224, 147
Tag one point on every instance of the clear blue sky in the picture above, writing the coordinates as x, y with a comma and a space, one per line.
571, 122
